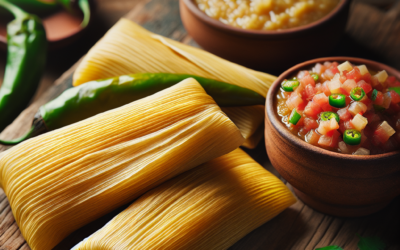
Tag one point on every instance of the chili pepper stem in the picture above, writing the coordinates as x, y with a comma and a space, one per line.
38, 127
16, 11
85, 8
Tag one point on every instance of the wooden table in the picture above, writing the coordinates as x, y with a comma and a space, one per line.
298, 227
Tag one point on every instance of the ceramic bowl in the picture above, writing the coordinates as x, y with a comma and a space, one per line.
330, 182
62, 28
265, 50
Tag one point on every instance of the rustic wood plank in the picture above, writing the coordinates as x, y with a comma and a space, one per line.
298, 227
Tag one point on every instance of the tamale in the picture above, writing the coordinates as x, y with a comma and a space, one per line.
209, 207
61, 180
128, 48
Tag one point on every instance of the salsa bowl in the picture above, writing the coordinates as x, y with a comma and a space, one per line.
265, 50
330, 182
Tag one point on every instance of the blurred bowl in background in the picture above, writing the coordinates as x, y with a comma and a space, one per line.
265, 50
62, 28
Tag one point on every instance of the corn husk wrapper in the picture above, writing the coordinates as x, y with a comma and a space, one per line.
62, 180
128, 48
209, 207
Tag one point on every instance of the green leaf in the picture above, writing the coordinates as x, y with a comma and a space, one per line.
330, 248
371, 243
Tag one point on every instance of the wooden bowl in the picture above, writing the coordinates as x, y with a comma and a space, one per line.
62, 28
265, 50
330, 182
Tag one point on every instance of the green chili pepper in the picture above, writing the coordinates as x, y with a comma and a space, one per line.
294, 117
326, 116
374, 95
357, 93
26, 59
315, 76
95, 97
36, 7
290, 85
70, 5
395, 89
337, 100
352, 137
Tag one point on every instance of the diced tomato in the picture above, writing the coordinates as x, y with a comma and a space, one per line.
334, 69
387, 99
300, 89
393, 109
329, 141
348, 85
300, 122
354, 74
383, 133
310, 123
372, 117
312, 137
395, 97
312, 110
344, 114
365, 86
323, 101
379, 99
367, 78
326, 126
308, 79
309, 92
294, 101
390, 81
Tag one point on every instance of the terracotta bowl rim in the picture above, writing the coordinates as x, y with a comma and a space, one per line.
261, 33
284, 132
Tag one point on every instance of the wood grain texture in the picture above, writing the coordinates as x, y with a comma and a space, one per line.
298, 227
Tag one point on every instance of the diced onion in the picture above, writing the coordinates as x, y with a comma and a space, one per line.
387, 128
381, 76
343, 147
362, 151
334, 84
345, 66
363, 69
359, 122
357, 107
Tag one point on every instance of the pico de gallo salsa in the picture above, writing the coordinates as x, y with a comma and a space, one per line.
343, 108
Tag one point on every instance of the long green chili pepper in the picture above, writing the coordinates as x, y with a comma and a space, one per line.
95, 97
26, 59
83, 5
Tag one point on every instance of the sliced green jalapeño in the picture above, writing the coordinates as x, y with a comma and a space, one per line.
315, 76
294, 117
337, 100
290, 85
374, 95
352, 137
326, 116
357, 94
